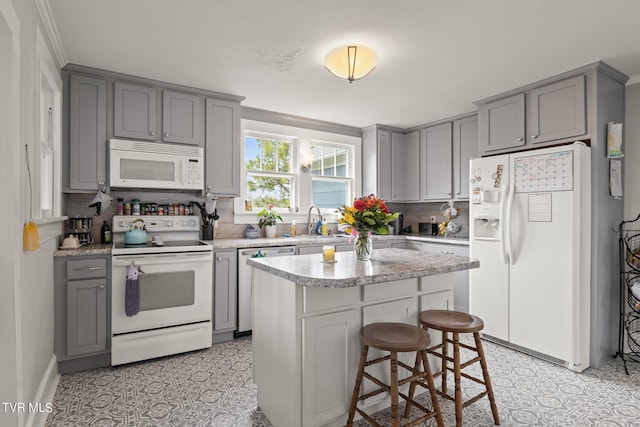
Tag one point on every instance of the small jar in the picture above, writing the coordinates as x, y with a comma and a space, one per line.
127, 208
120, 206
135, 207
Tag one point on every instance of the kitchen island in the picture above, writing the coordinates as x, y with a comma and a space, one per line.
307, 316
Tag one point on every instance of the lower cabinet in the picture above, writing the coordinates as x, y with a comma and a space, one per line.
225, 291
328, 376
81, 312
461, 278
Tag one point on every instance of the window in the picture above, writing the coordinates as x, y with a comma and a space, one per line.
330, 182
294, 168
268, 166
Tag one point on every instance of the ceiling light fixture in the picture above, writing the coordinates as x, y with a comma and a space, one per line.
351, 62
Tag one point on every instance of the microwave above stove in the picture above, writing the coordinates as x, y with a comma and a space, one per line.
152, 165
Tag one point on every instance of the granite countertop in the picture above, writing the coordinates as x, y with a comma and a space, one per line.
306, 239
241, 243
385, 265
92, 249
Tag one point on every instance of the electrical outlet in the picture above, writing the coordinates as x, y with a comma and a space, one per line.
215, 223
433, 219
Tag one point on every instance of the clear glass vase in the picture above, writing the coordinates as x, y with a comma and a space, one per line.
362, 246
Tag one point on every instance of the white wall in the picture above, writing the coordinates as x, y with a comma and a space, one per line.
631, 149
26, 278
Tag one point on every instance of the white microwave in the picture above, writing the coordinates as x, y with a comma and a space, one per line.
151, 165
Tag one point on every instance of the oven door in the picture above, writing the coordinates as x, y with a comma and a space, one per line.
174, 289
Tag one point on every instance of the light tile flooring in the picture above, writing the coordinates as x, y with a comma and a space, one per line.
214, 387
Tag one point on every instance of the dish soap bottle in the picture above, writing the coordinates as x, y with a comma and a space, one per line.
105, 233
323, 228
293, 229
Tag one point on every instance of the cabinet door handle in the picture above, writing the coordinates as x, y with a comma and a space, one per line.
520, 139
101, 287
218, 259
449, 193
534, 136
457, 193
448, 253
88, 269
152, 133
166, 134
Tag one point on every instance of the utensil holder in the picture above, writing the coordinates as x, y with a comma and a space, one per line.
207, 232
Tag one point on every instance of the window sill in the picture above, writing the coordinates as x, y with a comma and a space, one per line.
50, 228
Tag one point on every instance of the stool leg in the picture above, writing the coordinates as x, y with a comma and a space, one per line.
412, 387
356, 388
395, 422
432, 388
444, 362
487, 380
456, 375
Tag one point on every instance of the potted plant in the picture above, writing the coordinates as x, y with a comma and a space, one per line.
268, 220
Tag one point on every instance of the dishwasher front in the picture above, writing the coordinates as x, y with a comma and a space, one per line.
244, 281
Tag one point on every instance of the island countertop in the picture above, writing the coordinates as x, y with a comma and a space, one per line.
385, 265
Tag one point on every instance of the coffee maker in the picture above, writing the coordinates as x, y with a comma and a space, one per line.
398, 223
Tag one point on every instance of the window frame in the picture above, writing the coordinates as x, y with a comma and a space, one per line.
304, 138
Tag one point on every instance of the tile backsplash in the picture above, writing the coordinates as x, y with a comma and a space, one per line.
78, 205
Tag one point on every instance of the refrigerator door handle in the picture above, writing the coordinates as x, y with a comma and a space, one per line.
509, 226
501, 230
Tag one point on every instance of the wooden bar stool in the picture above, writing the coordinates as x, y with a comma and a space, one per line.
457, 323
395, 338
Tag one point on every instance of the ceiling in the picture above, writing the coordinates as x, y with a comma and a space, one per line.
434, 57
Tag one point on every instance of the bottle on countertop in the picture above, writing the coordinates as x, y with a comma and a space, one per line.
120, 206
105, 233
293, 229
324, 229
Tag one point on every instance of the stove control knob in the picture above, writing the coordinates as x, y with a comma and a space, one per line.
192, 223
168, 223
122, 224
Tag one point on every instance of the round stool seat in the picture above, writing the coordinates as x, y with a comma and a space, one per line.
398, 337
451, 321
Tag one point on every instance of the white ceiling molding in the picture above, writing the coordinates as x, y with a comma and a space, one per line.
52, 31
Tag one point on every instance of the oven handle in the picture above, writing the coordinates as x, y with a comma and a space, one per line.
125, 260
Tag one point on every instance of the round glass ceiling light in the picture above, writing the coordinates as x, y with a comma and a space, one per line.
351, 62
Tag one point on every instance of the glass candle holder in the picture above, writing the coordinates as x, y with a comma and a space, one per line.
328, 253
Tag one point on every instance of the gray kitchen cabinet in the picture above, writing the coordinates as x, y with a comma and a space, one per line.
223, 165
181, 118
134, 111
465, 147
136, 114
501, 124
225, 288
376, 162
557, 111
87, 133
405, 166
81, 312
436, 154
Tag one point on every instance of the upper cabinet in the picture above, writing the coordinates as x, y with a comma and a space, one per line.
405, 164
135, 114
377, 161
86, 105
554, 112
134, 111
465, 147
501, 124
436, 160
222, 147
181, 118
557, 111
99, 105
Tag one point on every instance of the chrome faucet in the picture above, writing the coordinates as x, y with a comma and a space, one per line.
310, 225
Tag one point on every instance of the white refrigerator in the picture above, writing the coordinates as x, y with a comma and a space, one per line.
530, 215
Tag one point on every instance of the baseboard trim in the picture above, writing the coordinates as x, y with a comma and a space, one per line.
44, 394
